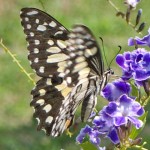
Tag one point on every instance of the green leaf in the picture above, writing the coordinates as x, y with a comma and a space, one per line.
135, 132
88, 146
134, 91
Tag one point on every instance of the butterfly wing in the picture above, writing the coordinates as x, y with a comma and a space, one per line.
85, 57
68, 63
46, 42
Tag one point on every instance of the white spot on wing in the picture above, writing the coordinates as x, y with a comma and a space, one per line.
52, 24
36, 50
37, 21
81, 46
61, 74
49, 119
34, 12
62, 64
61, 28
45, 23
69, 63
36, 60
67, 71
80, 53
78, 29
61, 69
61, 44
90, 52
26, 19
57, 58
31, 34
59, 32
69, 80
41, 28
42, 92
41, 70
72, 35
28, 26
47, 108
79, 41
84, 71
80, 66
40, 102
53, 50
48, 82
50, 42
80, 59
37, 42
72, 54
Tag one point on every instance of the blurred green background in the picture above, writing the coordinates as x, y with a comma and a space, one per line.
17, 127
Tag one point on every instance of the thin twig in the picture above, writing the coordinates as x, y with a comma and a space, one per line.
16, 61
42, 4
113, 5
118, 11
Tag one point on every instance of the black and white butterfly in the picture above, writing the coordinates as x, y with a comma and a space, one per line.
70, 67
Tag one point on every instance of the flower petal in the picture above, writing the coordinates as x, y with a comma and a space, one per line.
112, 91
120, 121
83, 132
113, 136
138, 123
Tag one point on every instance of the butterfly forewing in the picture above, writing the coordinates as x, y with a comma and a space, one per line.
85, 58
46, 39
70, 66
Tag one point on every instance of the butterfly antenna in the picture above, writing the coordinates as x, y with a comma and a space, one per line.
103, 50
115, 55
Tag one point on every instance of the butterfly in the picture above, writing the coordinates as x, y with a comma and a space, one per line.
70, 67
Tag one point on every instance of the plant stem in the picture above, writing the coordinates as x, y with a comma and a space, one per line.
16, 61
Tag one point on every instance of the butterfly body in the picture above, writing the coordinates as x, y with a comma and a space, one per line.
70, 67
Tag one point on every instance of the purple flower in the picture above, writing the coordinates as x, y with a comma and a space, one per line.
108, 121
145, 41
87, 129
124, 110
113, 136
135, 65
112, 91
93, 135
132, 3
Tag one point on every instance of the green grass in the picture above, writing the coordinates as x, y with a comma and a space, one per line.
17, 128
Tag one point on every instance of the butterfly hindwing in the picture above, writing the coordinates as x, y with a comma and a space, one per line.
47, 100
55, 105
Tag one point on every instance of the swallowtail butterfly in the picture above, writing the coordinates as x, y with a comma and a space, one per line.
70, 67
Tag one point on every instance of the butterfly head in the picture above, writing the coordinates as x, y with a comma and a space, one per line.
110, 71
106, 76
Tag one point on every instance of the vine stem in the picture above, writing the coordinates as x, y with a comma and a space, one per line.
113, 5
16, 61
117, 10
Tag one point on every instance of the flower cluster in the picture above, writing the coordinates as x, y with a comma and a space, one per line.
132, 3
136, 64
121, 110
116, 120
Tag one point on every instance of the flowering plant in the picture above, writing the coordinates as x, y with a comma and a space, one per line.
122, 119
